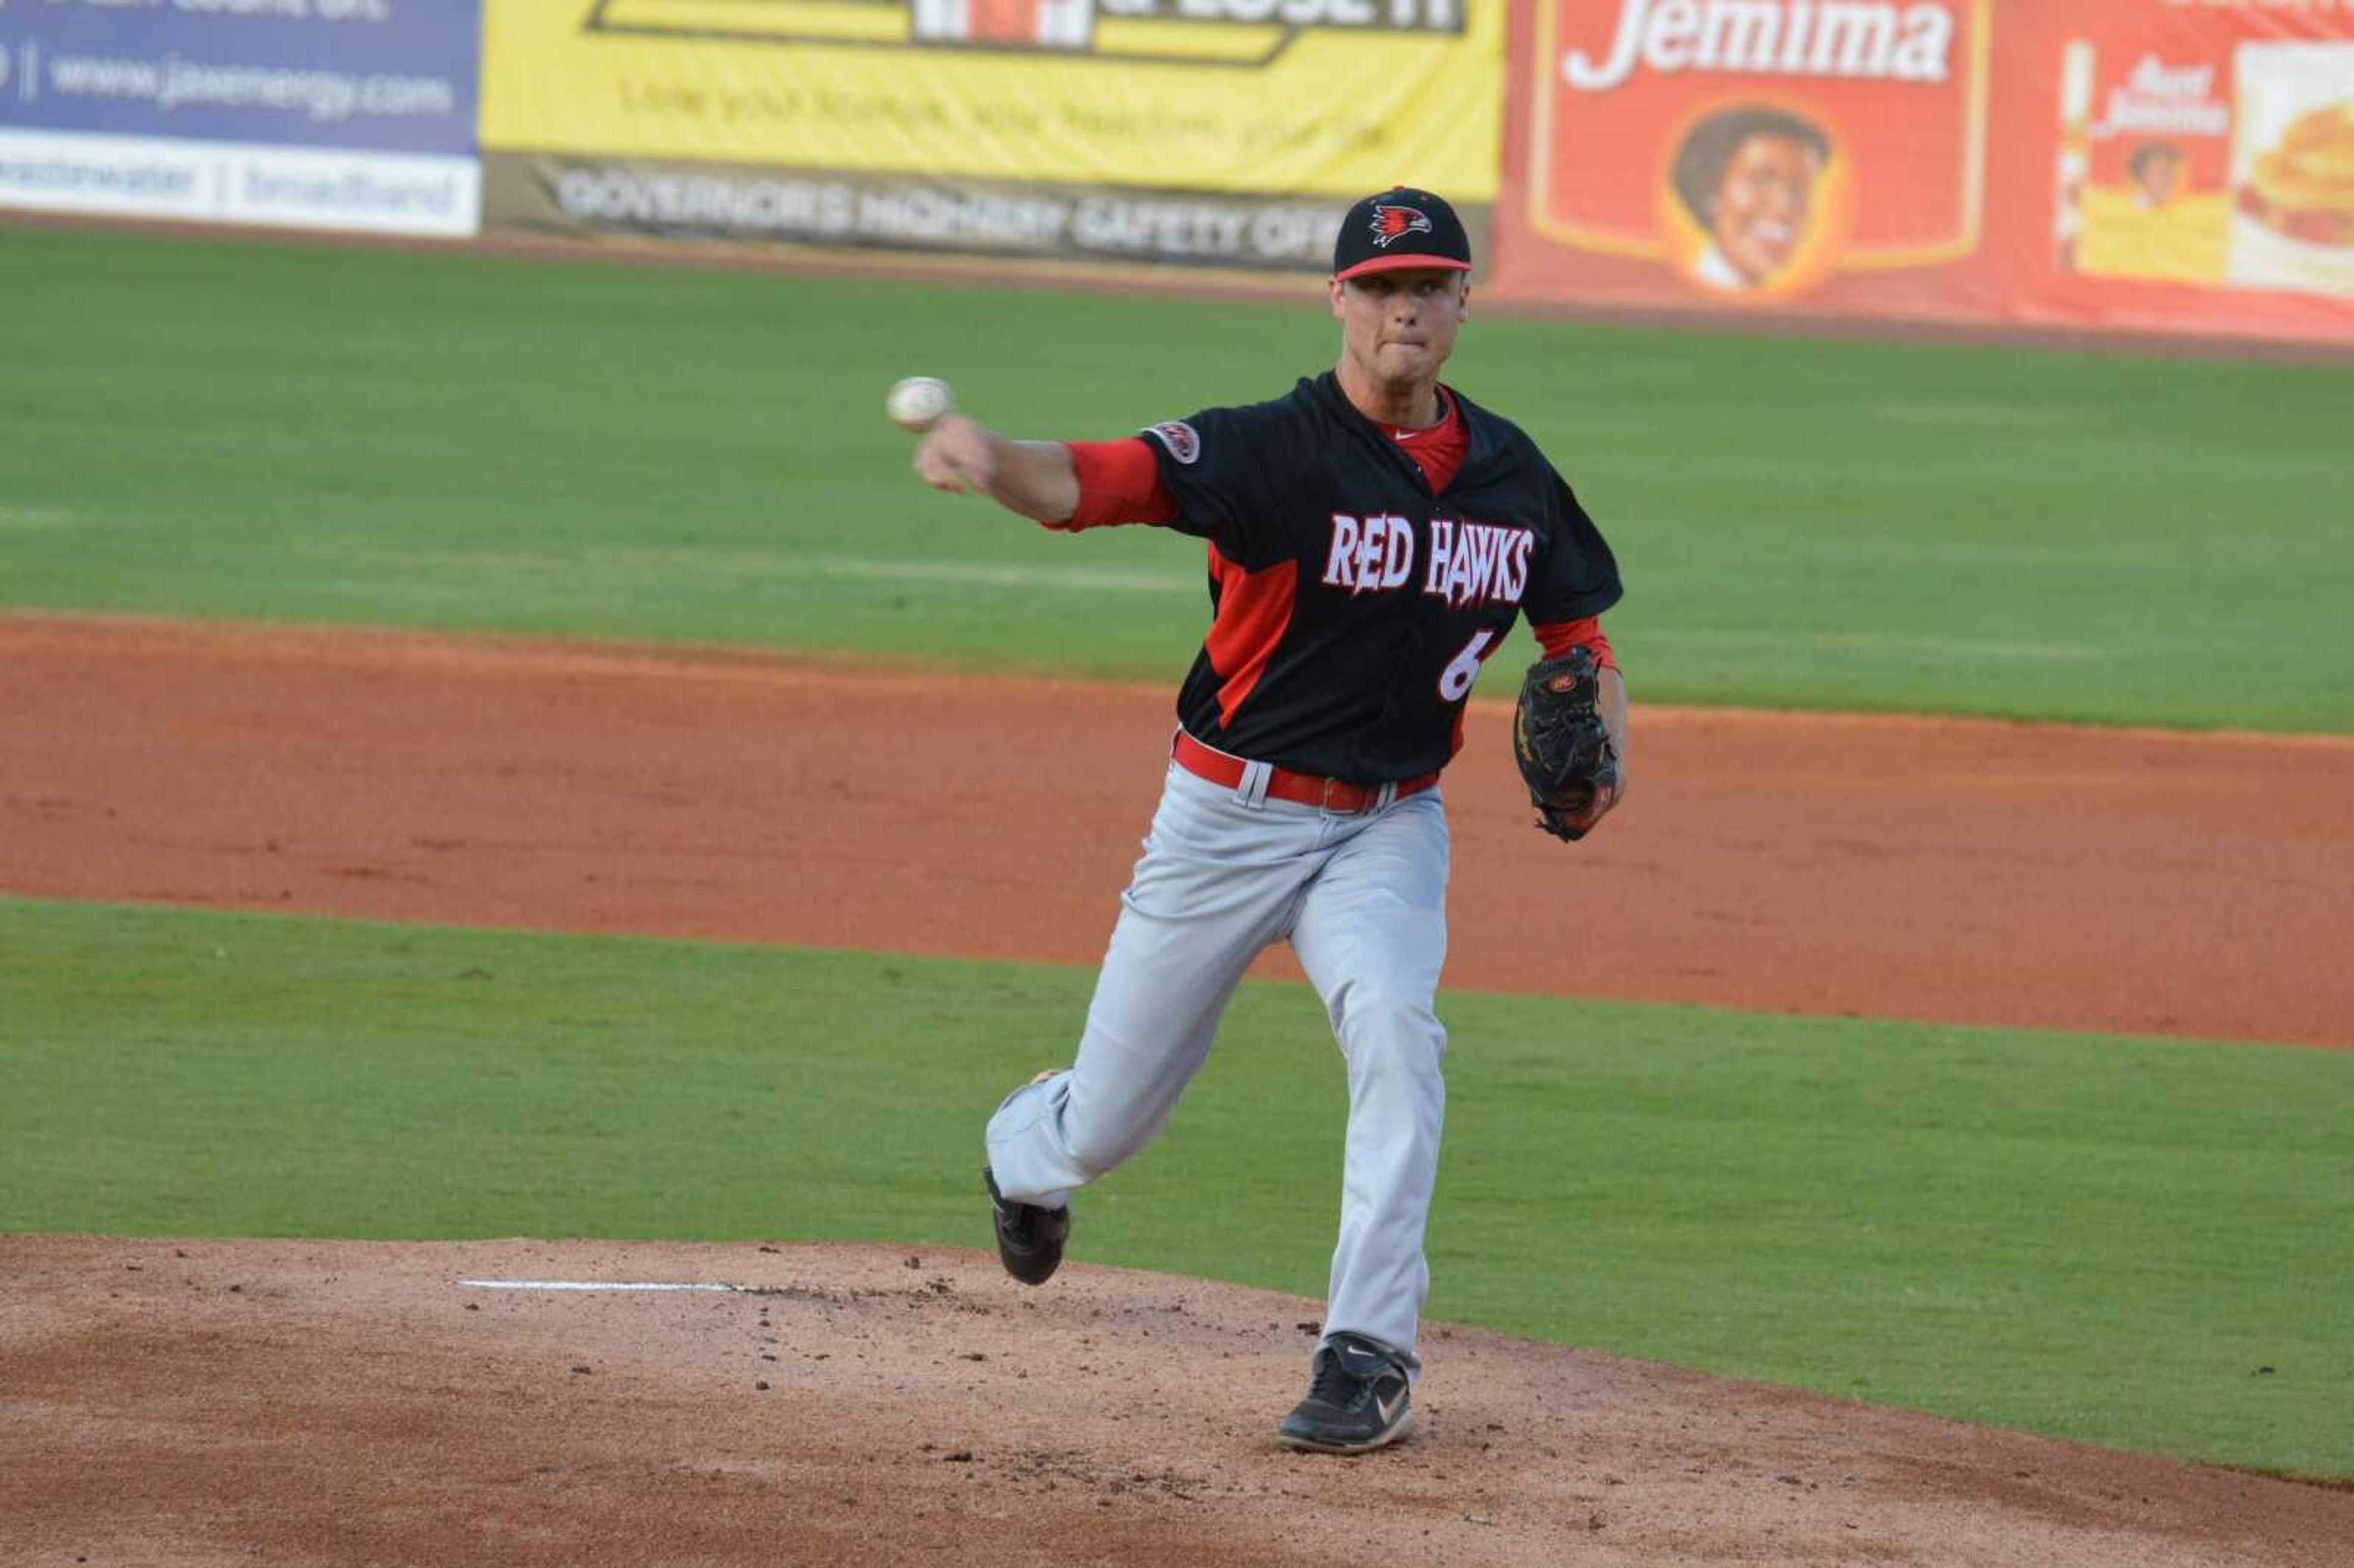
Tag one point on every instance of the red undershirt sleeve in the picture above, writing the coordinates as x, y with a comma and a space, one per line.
1560, 636
1119, 483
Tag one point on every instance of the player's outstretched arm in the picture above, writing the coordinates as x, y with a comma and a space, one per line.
1034, 479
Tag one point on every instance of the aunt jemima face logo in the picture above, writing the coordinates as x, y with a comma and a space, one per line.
1761, 147
1247, 34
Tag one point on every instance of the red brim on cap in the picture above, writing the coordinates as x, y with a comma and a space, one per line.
1400, 262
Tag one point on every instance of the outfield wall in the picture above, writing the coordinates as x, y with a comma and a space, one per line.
2148, 165
1219, 134
2143, 165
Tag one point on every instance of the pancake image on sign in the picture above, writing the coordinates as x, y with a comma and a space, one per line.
2304, 187
2293, 169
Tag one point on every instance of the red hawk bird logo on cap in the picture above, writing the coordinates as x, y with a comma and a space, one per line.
1391, 223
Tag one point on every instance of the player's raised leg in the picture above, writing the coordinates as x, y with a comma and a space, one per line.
1217, 884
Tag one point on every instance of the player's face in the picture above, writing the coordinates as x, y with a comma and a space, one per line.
1762, 204
1400, 326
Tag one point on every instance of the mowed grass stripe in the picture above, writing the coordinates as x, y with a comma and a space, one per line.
450, 441
2133, 1243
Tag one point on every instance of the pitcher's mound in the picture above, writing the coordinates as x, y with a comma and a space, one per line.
344, 1402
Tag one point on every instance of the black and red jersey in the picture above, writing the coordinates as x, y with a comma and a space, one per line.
1353, 606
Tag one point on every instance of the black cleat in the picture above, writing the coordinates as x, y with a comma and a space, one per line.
1357, 1400
1029, 1238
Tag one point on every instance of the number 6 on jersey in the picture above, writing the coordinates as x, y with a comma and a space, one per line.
1454, 680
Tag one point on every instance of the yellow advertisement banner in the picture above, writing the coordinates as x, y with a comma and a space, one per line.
1336, 97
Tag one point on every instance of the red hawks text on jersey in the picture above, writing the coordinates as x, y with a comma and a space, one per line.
1469, 562
1353, 602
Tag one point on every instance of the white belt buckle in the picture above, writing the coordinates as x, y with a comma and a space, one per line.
1250, 790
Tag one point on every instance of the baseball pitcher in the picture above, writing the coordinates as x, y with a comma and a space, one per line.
1372, 535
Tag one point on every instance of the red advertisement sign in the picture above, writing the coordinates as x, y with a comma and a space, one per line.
2167, 165
1736, 142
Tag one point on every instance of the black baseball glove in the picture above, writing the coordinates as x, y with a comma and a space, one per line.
1561, 743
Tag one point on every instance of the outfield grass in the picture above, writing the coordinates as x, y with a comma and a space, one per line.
448, 440
2098, 1238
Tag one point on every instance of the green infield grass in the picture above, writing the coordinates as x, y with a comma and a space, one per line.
2133, 1243
446, 440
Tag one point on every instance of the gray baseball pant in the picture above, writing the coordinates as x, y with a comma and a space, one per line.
1226, 873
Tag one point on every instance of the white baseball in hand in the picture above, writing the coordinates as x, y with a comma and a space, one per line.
918, 402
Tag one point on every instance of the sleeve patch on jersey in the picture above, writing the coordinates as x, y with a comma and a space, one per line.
1180, 438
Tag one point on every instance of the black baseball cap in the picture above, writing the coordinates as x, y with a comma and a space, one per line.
1401, 227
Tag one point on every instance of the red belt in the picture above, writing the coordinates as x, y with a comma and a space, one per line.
1337, 795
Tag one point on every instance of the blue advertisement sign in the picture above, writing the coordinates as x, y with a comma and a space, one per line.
381, 76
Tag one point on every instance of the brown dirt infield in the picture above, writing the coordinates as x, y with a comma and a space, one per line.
1962, 871
336, 1403
354, 1402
